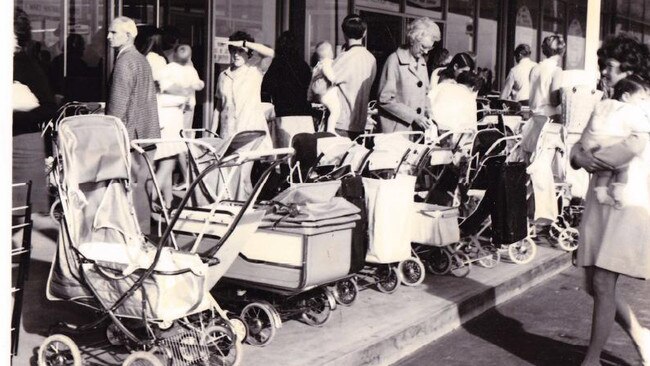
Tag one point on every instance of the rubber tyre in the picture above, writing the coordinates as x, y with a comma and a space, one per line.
71, 356
411, 271
345, 291
438, 261
568, 239
523, 251
460, 264
319, 309
261, 323
389, 280
142, 358
224, 347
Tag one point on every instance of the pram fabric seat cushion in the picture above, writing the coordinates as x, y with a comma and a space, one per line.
434, 225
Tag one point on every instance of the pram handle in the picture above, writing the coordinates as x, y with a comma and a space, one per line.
246, 156
185, 131
405, 133
139, 144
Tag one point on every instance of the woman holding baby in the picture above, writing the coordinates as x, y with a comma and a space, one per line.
614, 234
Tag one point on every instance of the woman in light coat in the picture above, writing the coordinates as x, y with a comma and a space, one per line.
404, 83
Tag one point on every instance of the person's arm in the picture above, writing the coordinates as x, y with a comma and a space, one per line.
328, 71
556, 88
121, 89
261, 49
507, 88
387, 95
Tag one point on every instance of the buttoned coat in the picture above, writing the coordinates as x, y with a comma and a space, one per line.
403, 89
132, 95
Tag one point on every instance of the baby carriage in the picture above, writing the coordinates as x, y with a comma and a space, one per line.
155, 297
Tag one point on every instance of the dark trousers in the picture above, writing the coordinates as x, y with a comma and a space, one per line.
141, 198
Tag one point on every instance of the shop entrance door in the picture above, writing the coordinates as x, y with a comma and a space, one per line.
385, 34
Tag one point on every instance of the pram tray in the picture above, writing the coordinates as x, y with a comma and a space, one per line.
287, 260
434, 225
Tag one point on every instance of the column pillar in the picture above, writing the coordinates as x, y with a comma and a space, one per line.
592, 36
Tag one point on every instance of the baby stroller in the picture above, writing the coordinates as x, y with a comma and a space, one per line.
155, 297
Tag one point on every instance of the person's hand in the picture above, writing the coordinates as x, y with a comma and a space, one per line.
423, 122
587, 160
239, 44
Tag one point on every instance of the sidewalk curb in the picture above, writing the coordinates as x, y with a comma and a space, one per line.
431, 326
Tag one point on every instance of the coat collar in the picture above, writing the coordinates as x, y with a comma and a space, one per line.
405, 57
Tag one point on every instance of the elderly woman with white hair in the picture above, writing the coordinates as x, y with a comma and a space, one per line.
404, 84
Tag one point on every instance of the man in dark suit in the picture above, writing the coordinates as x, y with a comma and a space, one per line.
132, 98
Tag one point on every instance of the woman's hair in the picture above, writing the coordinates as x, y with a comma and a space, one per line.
150, 40
242, 36
422, 28
22, 27
624, 48
459, 61
471, 80
523, 50
353, 26
553, 45
287, 46
630, 84
437, 57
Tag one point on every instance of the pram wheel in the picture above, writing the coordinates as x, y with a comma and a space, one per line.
488, 257
142, 358
438, 261
114, 335
460, 264
58, 350
388, 279
412, 271
239, 326
318, 309
223, 347
261, 323
345, 291
523, 251
568, 239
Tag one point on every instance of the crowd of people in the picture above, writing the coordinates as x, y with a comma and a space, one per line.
421, 88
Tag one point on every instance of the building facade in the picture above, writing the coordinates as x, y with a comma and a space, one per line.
490, 29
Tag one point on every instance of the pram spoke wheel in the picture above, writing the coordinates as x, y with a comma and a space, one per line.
488, 257
114, 335
438, 261
388, 279
568, 239
223, 347
58, 350
523, 251
318, 309
412, 271
345, 291
142, 358
261, 323
460, 264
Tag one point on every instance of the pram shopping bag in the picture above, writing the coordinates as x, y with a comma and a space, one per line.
352, 190
390, 205
434, 225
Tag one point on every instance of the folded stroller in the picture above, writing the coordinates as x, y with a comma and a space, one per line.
155, 296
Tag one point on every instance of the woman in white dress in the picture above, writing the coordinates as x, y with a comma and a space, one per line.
238, 103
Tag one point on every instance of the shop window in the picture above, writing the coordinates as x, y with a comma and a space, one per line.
322, 23
622, 6
527, 24
487, 35
141, 11
425, 8
636, 29
621, 25
646, 35
71, 56
553, 20
256, 17
388, 5
460, 26
636, 9
647, 11
575, 54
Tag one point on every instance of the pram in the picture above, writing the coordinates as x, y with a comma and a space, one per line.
104, 262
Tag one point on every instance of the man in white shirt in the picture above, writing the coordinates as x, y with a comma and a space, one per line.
517, 85
354, 69
546, 78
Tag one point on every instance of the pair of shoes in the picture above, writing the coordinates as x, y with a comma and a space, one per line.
180, 187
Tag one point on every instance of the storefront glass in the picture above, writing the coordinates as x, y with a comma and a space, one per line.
75, 74
553, 19
322, 23
387, 5
575, 54
425, 8
460, 26
527, 24
487, 35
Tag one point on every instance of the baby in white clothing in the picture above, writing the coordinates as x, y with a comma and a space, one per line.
612, 121
322, 81
179, 77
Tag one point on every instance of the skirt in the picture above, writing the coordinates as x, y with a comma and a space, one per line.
171, 123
